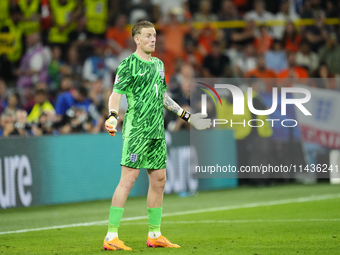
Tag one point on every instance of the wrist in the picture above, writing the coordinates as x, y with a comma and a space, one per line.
185, 116
113, 113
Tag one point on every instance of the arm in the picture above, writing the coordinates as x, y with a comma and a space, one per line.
196, 120
114, 101
171, 105
114, 104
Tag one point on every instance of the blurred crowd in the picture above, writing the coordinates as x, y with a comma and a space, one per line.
58, 57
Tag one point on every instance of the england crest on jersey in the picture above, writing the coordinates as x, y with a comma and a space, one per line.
133, 157
161, 72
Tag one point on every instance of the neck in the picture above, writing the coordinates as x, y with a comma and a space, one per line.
143, 55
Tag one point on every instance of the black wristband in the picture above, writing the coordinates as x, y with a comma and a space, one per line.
185, 115
114, 114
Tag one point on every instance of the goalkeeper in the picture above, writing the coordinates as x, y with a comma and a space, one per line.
141, 78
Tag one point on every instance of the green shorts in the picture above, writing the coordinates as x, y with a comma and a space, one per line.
144, 153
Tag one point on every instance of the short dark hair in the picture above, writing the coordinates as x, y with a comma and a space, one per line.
82, 90
136, 29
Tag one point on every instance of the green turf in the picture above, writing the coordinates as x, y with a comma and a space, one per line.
310, 227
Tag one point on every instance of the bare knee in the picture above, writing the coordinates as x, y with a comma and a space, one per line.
159, 183
127, 183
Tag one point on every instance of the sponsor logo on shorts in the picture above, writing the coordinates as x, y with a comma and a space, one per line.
133, 157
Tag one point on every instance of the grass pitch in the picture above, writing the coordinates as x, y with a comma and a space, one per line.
288, 219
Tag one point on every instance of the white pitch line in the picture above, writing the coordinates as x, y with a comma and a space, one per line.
237, 221
214, 209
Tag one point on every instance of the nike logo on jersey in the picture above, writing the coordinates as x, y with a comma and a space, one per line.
141, 74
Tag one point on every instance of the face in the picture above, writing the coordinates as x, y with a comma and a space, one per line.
259, 6
305, 48
146, 40
40, 98
290, 28
56, 52
261, 63
284, 7
12, 101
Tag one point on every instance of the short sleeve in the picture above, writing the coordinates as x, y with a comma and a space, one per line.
164, 80
123, 78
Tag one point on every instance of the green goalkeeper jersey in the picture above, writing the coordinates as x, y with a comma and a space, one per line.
143, 83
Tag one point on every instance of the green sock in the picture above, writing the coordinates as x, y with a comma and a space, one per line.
155, 217
116, 214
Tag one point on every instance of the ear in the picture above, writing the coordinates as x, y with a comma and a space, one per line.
136, 38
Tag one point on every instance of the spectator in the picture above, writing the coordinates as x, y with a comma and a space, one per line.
332, 11
228, 12
118, 35
306, 58
185, 74
267, 76
34, 64
264, 41
96, 96
66, 84
244, 36
174, 34
293, 72
214, 64
317, 34
96, 13
165, 55
247, 62
291, 38
306, 10
99, 66
31, 10
42, 105
165, 6
6, 124
78, 37
15, 125
64, 13
207, 36
324, 79
205, 14
73, 66
192, 53
55, 69
44, 126
131, 45
76, 97
330, 54
259, 14
141, 11
276, 58
10, 55
285, 15
13, 104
